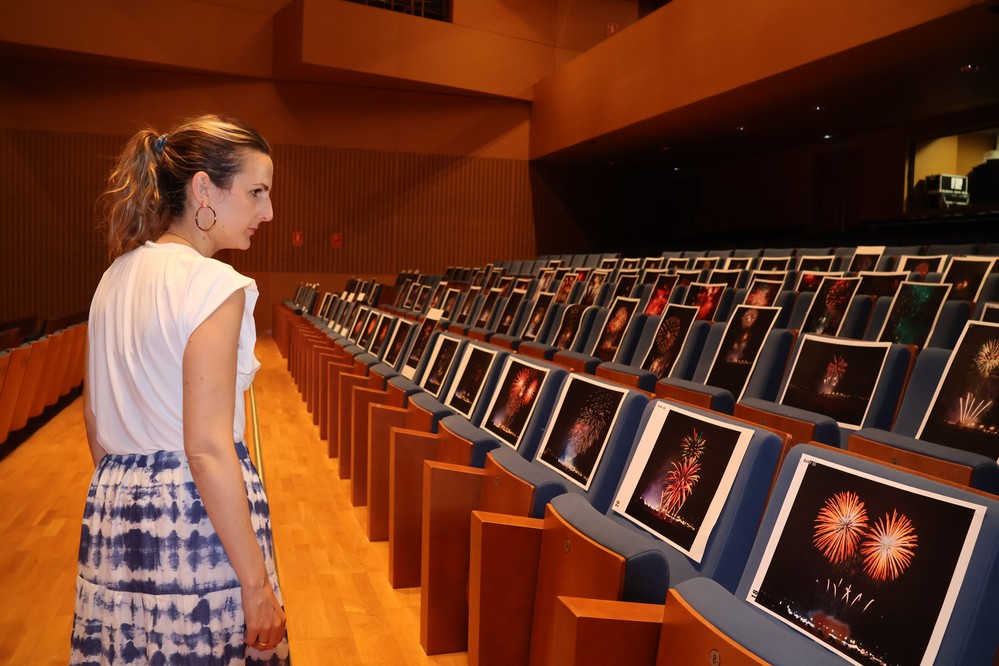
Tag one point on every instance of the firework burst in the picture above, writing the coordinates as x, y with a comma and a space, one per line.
987, 358
970, 409
889, 547
834, 373
678, 485
522, 390
839, 526
591, 424
692, 446
837, 294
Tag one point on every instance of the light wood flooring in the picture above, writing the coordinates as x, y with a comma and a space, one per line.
341, 608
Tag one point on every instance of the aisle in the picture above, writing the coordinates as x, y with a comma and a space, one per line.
341, 608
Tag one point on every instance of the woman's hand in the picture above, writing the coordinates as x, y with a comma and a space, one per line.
265, 620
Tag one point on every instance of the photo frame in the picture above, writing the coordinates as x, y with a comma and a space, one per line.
568, 328
384, 332
828, 308
419, 346
922, 265
670, 337
488, 305
565, 287
397, 341
422, 298
468, 306
850, 549
592, 288
706, 297
963, 413
967, 277
866, 258
580, 427
661, 292
740, 348
509, 313
473, 369
450, 301
763, 293
680, 475
442, 356
537, 317
512, 404
546, 276
619, 317
835, 377
626, 281
368, 332
914, 312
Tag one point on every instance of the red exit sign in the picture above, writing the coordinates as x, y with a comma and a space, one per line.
336, 240
296, 239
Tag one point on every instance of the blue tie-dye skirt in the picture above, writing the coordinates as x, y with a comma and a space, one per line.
155, 585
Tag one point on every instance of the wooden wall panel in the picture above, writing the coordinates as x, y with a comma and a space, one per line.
394, 211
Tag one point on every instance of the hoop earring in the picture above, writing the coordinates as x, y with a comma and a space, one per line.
215, 217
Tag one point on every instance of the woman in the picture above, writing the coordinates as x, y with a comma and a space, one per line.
176, 556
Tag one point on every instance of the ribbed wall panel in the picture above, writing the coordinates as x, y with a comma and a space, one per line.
394, 211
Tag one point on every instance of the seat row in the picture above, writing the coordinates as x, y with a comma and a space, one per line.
553, 511
36, 374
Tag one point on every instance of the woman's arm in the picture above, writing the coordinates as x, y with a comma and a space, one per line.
209, 393
90, 421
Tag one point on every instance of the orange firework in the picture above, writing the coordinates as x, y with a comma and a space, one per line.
839, 526
888, 548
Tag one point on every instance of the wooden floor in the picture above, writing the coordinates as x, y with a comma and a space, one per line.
341, 608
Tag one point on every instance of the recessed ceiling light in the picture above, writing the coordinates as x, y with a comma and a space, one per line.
676, 168
827, 136
816, 108
741, 128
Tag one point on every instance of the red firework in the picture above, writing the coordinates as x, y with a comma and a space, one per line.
889, 547
836, 369
839, 526
522, 391
693, 445
678, 485
837, 294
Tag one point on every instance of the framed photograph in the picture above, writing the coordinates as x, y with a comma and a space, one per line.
488, 305
437, 297
967, 277
626, 281
522, 284
385, 325
471, 375
914, 312
706, 263
738, 263
357, 325
740, 347
370, 325
630, 263
963, 412
652, 263
866, 567
450, 301
510, 311
608, 263
727, 277
537, 317
419, 346
911, 263
504, 284
397, 341
835, 377
422, 298
414, 289
565, 287
825, 314
990, 313
680, 476
650, 275
677, 263
866, 258
568, 328
513, 402
706, 297
619, 317
686, 278
774, 264
661, 291
439, 365
810, 280
581, 423
880, 285
468, 305
592, 288
763, 292
671, 334
813, 262
545, 279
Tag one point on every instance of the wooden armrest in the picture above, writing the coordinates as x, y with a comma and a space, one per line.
381, 419
684, 395
942, 469
408, 449
594, 632
688, 638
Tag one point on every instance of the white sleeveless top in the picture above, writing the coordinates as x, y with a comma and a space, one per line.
146, 306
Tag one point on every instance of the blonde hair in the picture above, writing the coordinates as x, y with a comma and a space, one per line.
148, 186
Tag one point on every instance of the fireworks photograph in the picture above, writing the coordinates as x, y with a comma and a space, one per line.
815, 263
384, 328
963, 412
510, 311
564, 287
628, 263
670, 336
825, 315
745, 333
677, 263
441, 358
763, 293
488, 305
922, 265
569, 326
469, 378
450, 300
419, 346
685, 278
626, 281
835, 377
414, 289
866, 258
538, 312
773, 263
880, 285
592, 288
397, 341
778, 276
437, 297
652, 263
738, 263
680, 476
369, 329
966, 277
914, 312
867, 567
422, 298
705, 297
514, 400
580, 426
810, 280
706, 263
357, 326
545, 279
661, 291
618, 318
729, 278
650, 275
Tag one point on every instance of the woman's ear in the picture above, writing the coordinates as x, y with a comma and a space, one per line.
200, 188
